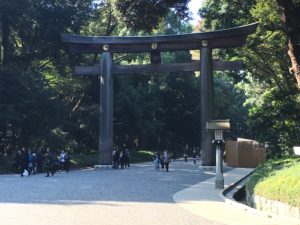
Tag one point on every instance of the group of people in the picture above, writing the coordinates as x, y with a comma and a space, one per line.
52, 162
29, 163
165, 160
194, 152
121, 158
161, 161
194, 155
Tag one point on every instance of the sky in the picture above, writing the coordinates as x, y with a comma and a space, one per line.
194, 6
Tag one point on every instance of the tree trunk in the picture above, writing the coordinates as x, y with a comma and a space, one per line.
289, 18
5, 38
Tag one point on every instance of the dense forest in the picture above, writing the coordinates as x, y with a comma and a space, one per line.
42, 104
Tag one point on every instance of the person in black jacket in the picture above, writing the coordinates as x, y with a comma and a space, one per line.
24, 161
18, 162
39, 162
50, 164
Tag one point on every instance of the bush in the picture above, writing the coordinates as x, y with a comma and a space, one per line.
81, 160
5, 165
141, 156
277, 179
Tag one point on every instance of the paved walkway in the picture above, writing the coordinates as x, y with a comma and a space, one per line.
208, 204
138, 195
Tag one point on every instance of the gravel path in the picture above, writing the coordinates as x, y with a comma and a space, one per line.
137, 195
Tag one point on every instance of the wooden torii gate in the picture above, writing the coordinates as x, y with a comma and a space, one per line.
107, 45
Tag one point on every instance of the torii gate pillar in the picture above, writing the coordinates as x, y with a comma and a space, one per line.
207, 105
106, 110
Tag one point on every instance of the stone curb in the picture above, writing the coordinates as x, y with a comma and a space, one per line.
96, 167
230, 200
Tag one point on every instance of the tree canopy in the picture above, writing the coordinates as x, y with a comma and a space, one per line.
272, 96
42, 104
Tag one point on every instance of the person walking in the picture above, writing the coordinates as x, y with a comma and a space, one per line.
113, 158
117, 158
34, 163
185, 155
39, 162
24, 161
166, 160
127, 157
62, 160
67, 161
122, 159
194, 156
156, 161
50, 166
162, 163
30, 163
18, 162
115, 155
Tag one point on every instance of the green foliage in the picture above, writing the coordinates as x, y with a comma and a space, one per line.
38, 99
141, 156
83, 160
229, 103
146, 15
5, 165
276, 121
28, 113
277, 179
272, 100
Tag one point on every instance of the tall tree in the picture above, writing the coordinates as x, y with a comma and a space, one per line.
146, 15
289, 10
266, 79
11, 13
34, 107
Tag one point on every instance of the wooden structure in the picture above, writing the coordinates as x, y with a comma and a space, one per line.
107, 45
244, 153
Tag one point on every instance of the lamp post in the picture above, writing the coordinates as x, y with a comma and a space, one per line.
218, 126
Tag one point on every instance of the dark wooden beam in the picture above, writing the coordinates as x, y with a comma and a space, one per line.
159, 68
137, 47
227, 65
232, 37
87, 70
155, 57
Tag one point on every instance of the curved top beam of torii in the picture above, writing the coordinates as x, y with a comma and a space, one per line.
225, 38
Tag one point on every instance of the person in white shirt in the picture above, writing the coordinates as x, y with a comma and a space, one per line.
166, 160
62, 160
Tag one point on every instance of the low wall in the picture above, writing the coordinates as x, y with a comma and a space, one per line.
272, 206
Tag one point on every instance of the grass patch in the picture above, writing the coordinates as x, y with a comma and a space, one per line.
277, 179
